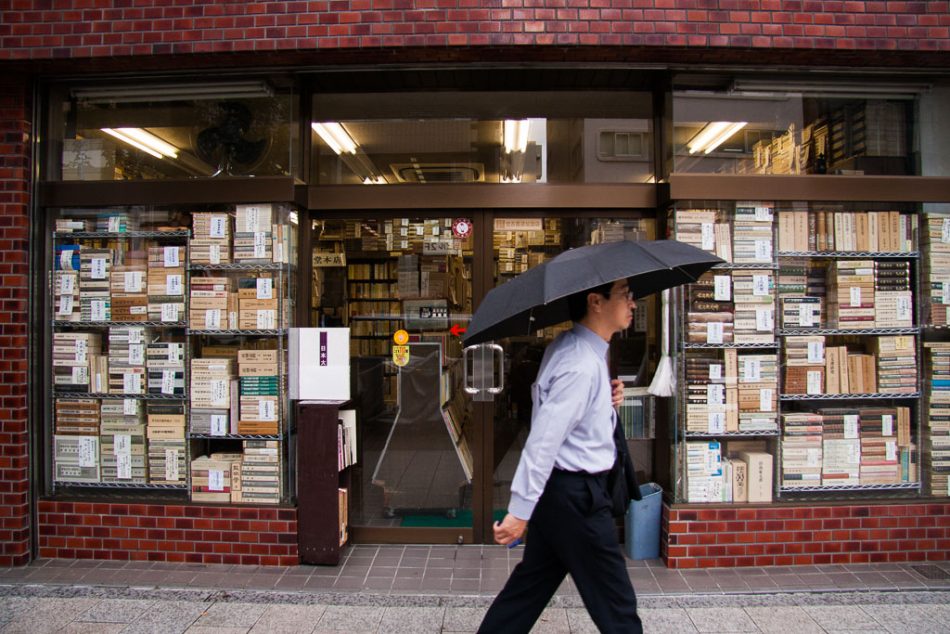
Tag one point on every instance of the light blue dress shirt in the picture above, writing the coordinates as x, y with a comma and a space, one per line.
572, 419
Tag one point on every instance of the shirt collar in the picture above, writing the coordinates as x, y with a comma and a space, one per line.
593, 339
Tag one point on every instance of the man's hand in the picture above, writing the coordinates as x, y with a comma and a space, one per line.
616, 396
509, 529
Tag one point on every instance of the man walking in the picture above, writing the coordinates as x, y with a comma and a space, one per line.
560, 486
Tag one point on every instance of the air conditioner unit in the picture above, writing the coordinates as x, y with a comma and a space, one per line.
438, 172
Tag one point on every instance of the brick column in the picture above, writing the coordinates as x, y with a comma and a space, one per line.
15, 97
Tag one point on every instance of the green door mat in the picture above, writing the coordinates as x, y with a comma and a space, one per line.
462, 519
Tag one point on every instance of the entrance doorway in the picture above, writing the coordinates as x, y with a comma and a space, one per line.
436, 460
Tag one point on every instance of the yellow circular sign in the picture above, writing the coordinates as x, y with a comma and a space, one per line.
400, 337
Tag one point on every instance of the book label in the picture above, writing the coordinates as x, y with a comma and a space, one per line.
816, 352
851, 426
219, 424
887, 425
87, 452
714, 332
717, 422
98, 269
723, 288
760, 285
707, 236
214, 253
715, 371
217, 226
170, 257
171, 465
265, 288
215, 480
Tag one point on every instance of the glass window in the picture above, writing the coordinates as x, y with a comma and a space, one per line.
482, 138
754, 127
176, 130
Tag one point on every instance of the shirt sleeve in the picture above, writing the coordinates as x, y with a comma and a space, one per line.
559, 411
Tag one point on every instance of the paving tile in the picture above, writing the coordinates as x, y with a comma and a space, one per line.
552, 621
166, 617
904, 618
231, 615
345, 618
666, 620
721, 620
116, 611
462, 619
198, 629
841, 617
783, 620
92, 628
411, 620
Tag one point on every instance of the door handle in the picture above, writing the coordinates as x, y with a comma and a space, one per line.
480, 380
498, 354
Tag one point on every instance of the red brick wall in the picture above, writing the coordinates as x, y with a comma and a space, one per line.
101, 28
785, 536
156, 532
14, 289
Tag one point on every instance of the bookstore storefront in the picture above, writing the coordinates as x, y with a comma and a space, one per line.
185, 226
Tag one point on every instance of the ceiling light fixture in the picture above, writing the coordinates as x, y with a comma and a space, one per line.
174, 92
145, 141
336, 136
516, 135
713, 135
867, 89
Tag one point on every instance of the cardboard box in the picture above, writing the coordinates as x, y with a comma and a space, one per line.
319, 364
88, 160
759, 475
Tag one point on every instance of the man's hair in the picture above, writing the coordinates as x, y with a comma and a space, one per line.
577, 303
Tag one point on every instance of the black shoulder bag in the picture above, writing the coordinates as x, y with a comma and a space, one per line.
622, 479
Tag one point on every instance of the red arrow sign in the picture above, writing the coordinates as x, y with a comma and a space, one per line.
456, 330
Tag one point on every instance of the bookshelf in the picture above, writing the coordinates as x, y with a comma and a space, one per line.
935, 438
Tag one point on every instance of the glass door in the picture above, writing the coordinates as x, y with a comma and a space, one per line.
519, 242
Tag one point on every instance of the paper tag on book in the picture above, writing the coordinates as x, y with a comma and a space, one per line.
751, 370
219, 392
805, 315
763, 250
855, 296
173, 285
252, 219
81, 354
266, 319
715, 394
887, 425
133, 281
170, 257
169, 312
168, 381
215, 480
121, 444
722, 285
66, 260
131, 383
813, 383
760, 285
97, 310
260, 244
890, 451
763, 214
714, 332
219, 424
945, 292
115, 224
88, 456
171, 465
816, 352
708, 237
136, 335
717, 422
80, 375
266, 410
67, 284
217, 226
764, 319
98, 269
903, 309
766, 394
265, 288
214, 253
715, 371
212, 319
130, 407
123, 466
851, 426
65, 305
136, 354
945, 232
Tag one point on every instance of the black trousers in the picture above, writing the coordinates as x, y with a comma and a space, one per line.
571, 531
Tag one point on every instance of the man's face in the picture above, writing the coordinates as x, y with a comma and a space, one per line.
619, 307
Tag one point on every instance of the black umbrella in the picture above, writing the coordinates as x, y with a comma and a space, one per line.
538, 298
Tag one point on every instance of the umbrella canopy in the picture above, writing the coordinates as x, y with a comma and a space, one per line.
538, 298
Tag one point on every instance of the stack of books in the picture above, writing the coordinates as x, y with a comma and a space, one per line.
165, 363
165, 431
757, 392
407, 276
74, 355
704, 476
754, 299
896, 364
75, 458
705, 229
880, 456
71, 225
122, 442
841, 447
254, 234
210, 396
166, 283
76, 416
260, 472
94, 300
706, 395
801, 449
861, 231
211, 477
893, 298
849, 372
851, 294
936, 436
211, 238
259, 409
804, 365
115, 223
258, 303
710, 311
211, 298
936, 270
66, 296
127, 359
752, 233
129, 298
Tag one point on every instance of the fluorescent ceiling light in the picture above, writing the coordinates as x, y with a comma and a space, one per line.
374, 180
174, 92
713, 135
145, 141
869, 88
335, 135
516, 135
